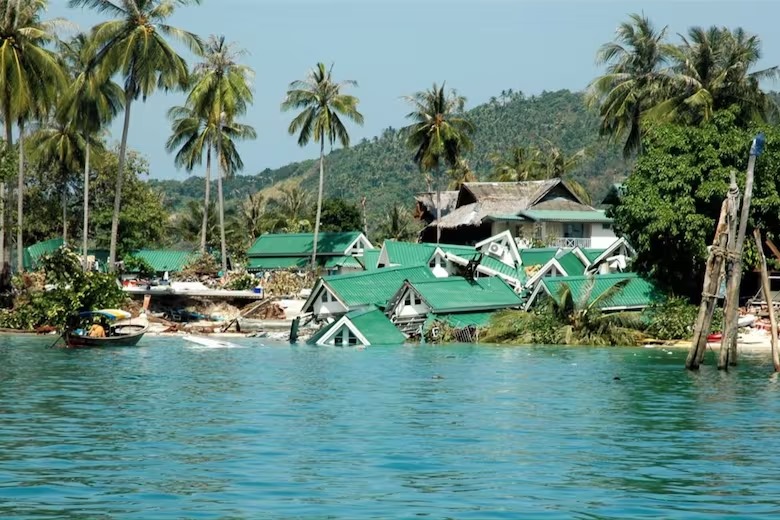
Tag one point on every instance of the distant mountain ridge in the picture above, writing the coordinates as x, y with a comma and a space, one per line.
381, 169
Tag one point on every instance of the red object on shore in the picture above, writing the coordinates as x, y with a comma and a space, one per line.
715, 337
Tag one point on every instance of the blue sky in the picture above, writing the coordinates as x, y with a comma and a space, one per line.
396, 47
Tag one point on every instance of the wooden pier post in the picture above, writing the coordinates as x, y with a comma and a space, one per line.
712, 276
767, 298
728, 346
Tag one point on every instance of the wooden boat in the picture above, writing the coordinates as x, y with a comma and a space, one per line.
122, 330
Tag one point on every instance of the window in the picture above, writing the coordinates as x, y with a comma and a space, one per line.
607, 226
417, 300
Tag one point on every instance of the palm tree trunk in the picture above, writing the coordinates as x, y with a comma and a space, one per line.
65, 213
223, 246
205, 225
85, 231
120, 176
438, 207
20, 203
319, 204
9, 142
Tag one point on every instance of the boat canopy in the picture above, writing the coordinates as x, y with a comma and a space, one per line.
111, 314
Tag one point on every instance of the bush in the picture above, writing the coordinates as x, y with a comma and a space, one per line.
203, 265
242, 281
675, 318
133, 264
70, 290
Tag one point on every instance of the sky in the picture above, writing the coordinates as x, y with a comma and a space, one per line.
393, 48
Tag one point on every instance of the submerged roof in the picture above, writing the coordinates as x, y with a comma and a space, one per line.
302, 244
163, 260
370, 324
465, 319
34, 253
456, 294
637, 294
374, 287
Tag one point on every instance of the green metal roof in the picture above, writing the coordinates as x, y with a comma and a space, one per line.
372, 324
277, 262
374, 287
301, 244
571, 264
591, 253
410, 254
501, 267
370, 259
33, 253
639, 292
456, 294
342, 261
507, 217
548, 215
163, 260
537, 256
465, 319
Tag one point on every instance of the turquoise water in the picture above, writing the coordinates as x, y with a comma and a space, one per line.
170, 431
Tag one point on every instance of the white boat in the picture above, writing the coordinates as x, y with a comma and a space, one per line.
203, 342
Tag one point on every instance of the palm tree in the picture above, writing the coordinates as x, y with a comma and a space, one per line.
520, 164
134, 45
397, 225
221, 92
714, 71
634, 82
30, 77
91, 102
440, 133
322, 104
459, 174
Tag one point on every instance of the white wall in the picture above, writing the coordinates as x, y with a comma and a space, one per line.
601, 238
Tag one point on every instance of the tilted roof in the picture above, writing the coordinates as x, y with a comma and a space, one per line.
370, 322
373, 287
592, 253
456, 294
537, 255
571, 264
410, 254
302, 244
34, 253
163, 260
637, 294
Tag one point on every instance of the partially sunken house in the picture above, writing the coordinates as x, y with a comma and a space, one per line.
336, 252
534, 212
359, 328
637, 294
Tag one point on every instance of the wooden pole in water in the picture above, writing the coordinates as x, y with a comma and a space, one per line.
714, 270
767, 297
728, 346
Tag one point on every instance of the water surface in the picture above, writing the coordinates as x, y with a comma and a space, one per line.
170, 431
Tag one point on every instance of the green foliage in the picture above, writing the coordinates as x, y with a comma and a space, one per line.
675, 318
673, 199
62, 290
340, 215
382, 170
241, 282
134, 264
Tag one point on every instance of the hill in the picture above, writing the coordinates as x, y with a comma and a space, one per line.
383, 171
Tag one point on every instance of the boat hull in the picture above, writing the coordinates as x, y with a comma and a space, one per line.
128, 339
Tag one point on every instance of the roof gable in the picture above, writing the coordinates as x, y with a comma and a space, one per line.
505, 251
620, 246
456, 294
370, 326
375, 287
302, 244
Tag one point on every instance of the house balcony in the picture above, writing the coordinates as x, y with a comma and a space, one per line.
570, 243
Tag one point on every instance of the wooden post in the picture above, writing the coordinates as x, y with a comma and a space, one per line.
767, 298
712, 277
728, 346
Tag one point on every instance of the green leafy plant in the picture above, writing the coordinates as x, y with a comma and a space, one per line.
674, 319
134, 264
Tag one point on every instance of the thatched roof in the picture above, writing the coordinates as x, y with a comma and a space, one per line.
426, 204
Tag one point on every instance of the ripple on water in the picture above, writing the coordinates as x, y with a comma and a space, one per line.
167, 431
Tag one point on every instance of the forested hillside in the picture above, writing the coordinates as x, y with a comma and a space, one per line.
382, 168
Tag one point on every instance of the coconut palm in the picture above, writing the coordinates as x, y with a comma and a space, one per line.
634, 81
90, 103
460, 174
30, 77
322, 105
520, 164
135, 45
397, 225
221, 92
714, 71
439, 133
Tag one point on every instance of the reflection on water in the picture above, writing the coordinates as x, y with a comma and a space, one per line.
168, 431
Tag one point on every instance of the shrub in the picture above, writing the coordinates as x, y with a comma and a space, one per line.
675, 318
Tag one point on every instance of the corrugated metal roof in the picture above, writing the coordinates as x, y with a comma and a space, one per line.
639, 292
163, 260
375, 287
537, 256
342, 261
592, 253
571, 264
501, 267
301, 244
33, 253
543, 215
410, 254
277, 262
456, 294
371, 323
370, 259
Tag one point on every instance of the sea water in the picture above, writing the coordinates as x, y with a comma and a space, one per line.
166, 430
